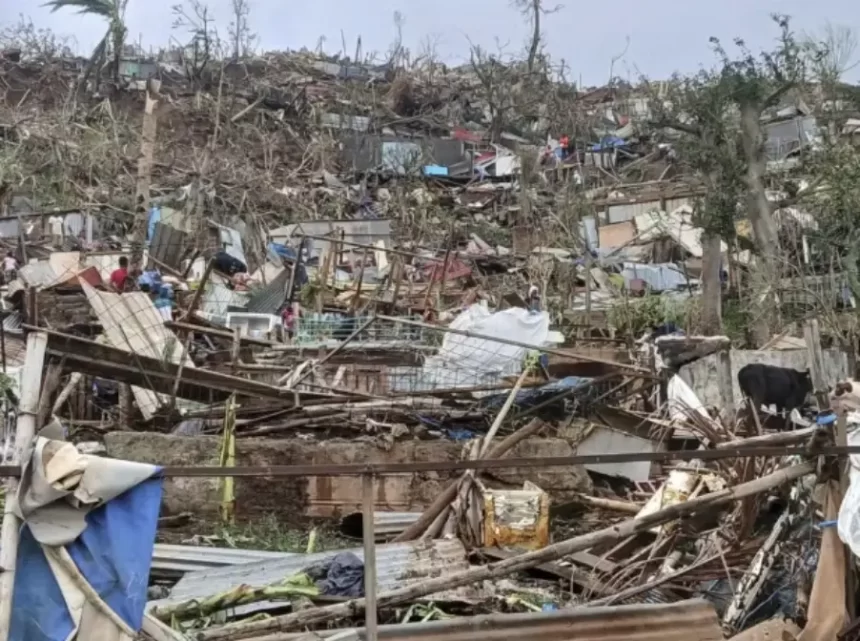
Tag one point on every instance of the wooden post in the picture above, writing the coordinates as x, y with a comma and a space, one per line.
198, 293
812, 336
369, 558
725, 384
26, 430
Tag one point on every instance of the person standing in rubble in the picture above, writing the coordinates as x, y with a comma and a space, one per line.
533, 300
10, 268
564, 143
119, 276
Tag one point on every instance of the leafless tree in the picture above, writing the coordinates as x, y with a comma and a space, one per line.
194, 16
241, 37
533, 10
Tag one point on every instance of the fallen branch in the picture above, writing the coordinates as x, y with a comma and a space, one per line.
518, 563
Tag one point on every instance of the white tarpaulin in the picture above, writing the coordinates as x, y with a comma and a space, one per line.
682, 398
848, 523
466, 361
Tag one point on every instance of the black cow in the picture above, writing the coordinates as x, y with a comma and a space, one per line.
785, 388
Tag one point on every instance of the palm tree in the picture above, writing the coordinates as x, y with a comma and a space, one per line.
112, 11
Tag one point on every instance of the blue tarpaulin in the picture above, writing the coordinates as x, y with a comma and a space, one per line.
282, 251
609, 142
530, 397
114, 554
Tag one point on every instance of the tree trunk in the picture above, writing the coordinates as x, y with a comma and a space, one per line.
711, 285
98, 53
765, 276
144, 174
533, 50
118, 33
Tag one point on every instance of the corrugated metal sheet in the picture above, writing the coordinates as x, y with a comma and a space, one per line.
268, 299
181, 559
365, 232
385, 524
693, 620
132, 323
397, 564
676, 224
659, 277
628, 211
603, 439
345, 121
168, 245
12, 323
220, 299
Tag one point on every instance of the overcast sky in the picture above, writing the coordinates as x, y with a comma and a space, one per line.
664, 35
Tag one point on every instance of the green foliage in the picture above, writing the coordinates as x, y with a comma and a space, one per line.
635, 316
105, 8
7, 383
267, 533
736, 321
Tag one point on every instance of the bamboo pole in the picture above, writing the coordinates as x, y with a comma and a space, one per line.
10, 535
500, 417
631, 527
198, 293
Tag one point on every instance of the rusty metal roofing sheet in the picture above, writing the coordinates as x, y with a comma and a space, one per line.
268, 299
693, 620
168, 245
396, 564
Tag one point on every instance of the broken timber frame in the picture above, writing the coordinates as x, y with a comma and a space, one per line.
235, 631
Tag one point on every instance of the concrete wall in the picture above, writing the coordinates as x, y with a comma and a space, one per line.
327, 496
702, 375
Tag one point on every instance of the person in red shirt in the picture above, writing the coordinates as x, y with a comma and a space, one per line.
120, 275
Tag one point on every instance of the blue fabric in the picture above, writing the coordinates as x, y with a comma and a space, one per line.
530, 397
154, 217
150, 277
281, 250
608, 142
114, 553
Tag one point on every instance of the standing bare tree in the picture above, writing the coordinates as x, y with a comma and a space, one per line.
241, 36
533, 10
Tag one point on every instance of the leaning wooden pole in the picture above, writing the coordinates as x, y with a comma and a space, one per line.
450, 492
314, 616
31, 383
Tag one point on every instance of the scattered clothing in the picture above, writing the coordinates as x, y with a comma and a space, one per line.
149, 280
342, 575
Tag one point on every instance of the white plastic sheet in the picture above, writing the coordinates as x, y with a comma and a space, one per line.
681, 397
848, 522
464, 361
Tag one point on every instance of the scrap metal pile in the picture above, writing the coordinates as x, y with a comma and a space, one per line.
329, 344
